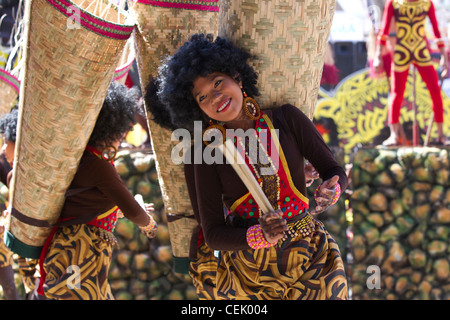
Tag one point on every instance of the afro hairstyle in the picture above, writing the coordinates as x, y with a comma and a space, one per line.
8, 124
117, 115
169, 96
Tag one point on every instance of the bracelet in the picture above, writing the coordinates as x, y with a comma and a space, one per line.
256, 239
382, 38
337, 188
150, 229
440, 42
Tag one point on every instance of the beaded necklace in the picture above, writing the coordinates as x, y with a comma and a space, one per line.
97, 153
258, 157
279, 192
277, 185
270, 183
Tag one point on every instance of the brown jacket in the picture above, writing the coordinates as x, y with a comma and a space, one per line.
96, 188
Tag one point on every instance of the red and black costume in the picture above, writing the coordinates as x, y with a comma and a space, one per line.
411, 47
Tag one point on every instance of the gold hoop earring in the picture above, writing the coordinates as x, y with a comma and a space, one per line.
109, 153
213, 130
251, 107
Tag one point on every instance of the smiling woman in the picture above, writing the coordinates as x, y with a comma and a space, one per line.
219, 96
176, 87
264, 254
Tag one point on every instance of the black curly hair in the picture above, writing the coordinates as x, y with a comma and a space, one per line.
8, 124
169, 96
117, 115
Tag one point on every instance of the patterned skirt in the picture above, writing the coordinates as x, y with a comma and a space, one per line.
6, 256
77, 264
29, 272
301, 268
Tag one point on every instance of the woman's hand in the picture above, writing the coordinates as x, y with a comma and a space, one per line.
273, 226
325, 194
150, 229
378, 60
310, 173
149, 207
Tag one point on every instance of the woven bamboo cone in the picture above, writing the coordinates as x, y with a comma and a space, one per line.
289, 38
160, 31
9, 91
67, 71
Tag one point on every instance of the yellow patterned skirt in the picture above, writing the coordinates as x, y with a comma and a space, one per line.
28, 271
77, 264
6, 256
302, 268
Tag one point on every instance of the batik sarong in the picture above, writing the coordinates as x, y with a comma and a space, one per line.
77, 262
303, 268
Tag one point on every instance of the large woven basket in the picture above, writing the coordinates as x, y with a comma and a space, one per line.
162, 26
69, 62
289, 38
9, 91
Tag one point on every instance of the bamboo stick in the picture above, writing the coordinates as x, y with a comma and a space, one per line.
89, 6
105, 10
238, 164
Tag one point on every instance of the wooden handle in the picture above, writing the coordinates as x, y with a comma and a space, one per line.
243, 171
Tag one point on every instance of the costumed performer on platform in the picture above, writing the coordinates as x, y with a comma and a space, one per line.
284, 254
411, 47
97, 195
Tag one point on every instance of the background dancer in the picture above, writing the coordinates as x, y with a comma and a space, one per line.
96, 196
411, 47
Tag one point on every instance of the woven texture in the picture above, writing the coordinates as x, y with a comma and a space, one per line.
9, 91
162, 27
69, 62
289, 38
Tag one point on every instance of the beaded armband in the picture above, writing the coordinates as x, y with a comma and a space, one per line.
150, 229
440, 43
382, 38
255, 238
337, 187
